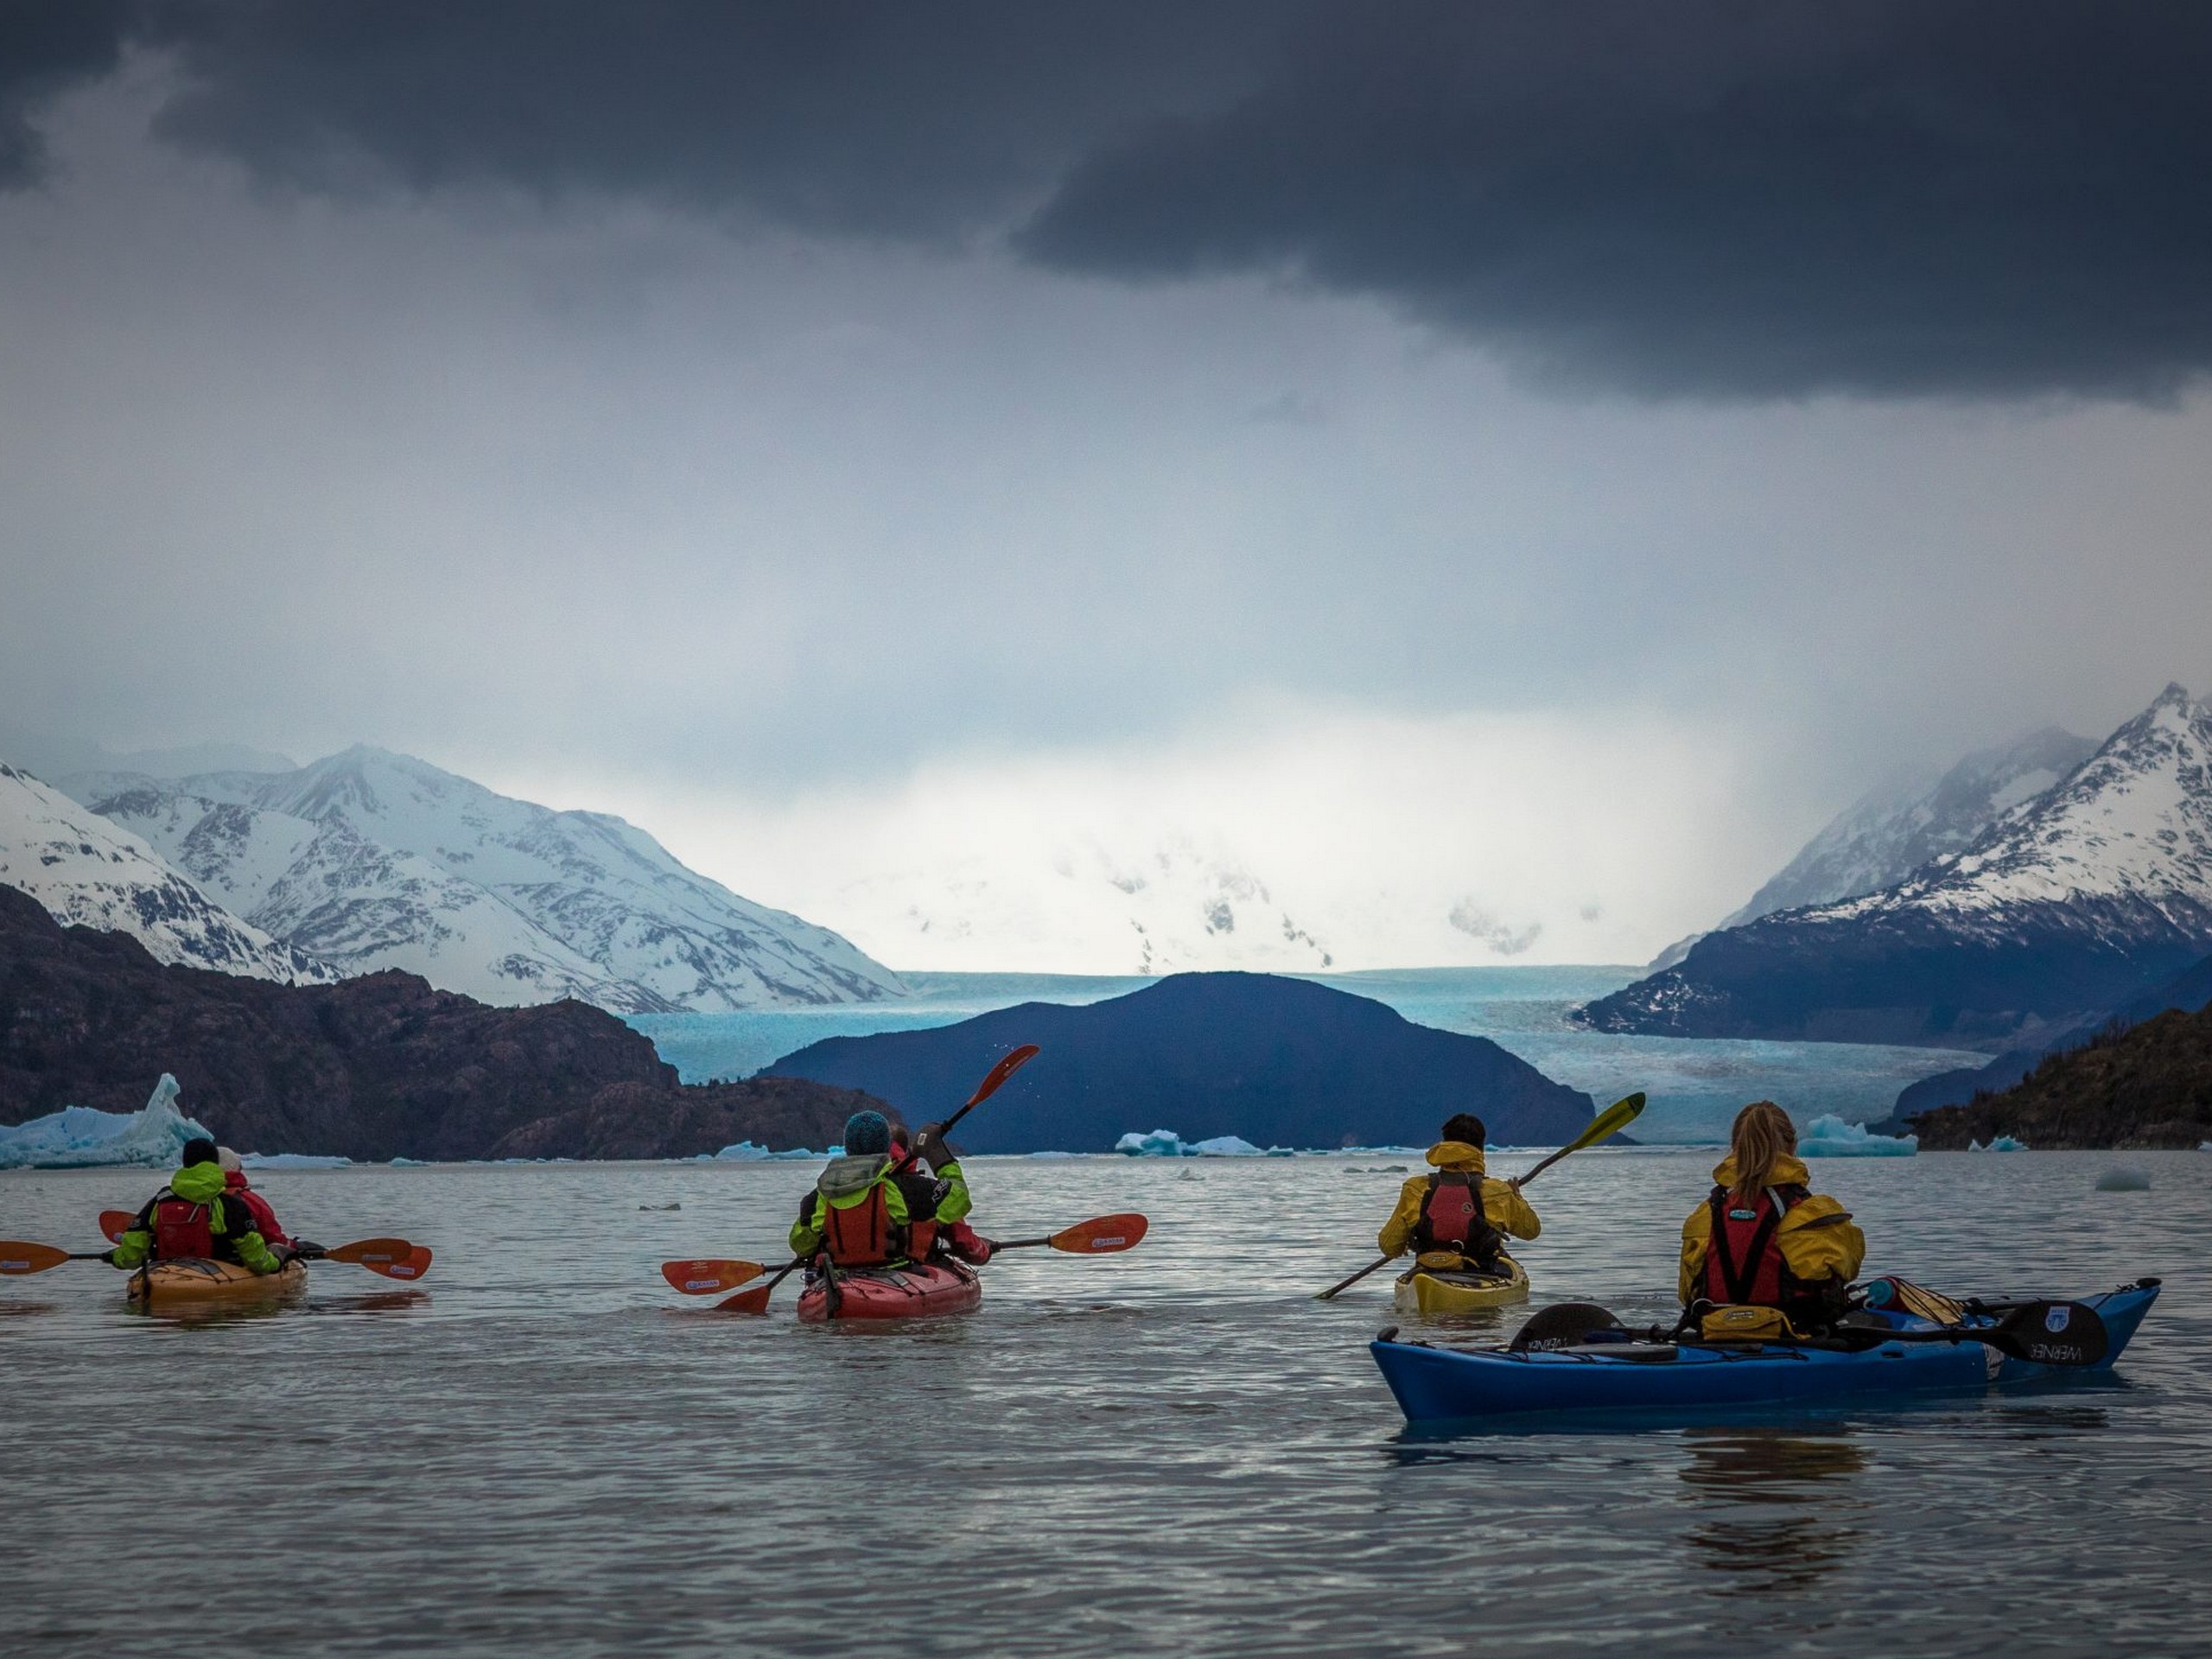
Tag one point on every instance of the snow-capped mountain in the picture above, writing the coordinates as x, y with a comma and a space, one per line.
1174, 906
86, 871
2068, 902
386, 862
1886, 835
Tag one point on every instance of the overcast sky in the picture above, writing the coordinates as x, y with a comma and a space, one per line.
1529, 462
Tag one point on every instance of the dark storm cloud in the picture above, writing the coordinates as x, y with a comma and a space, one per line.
1997, 199
46, 48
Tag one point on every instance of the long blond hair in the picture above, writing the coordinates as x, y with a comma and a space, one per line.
1763, 1136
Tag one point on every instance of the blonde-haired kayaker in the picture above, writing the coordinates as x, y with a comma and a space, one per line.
1763, 1237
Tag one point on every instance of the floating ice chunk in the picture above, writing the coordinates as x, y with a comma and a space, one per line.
1051, 1154
2124, 1180
1998, 1143
408, 1163
292, 1161
1829, 1136
1166, 1143
1160, 1143
79, 1137
745, 1152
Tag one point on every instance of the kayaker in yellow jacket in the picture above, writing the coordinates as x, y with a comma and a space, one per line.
1763, 1238
1459, 1215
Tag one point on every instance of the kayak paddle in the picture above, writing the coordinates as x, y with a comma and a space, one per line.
395, 1258
708, 1274
1615, 1118
756, 1299
114, 1224
1014, 1061
17, 1257
2043, 1333
1101, 1236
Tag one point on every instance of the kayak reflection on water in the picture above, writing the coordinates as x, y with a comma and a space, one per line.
1803, 1481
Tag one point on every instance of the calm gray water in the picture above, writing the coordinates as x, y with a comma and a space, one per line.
543, 1453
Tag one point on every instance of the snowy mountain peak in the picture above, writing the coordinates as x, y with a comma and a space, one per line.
88, 872
2132, 824
382, 861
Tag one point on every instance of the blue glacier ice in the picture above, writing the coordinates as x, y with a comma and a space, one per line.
79, 1137
1998, 1143
1166, 1143
1829, 1136
292, 1161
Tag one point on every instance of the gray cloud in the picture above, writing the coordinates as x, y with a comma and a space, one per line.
1985, 198
46, 48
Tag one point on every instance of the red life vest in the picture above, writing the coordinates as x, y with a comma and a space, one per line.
182, 1230
264, 1218
862, 1234
1744, 1262
1453, 1218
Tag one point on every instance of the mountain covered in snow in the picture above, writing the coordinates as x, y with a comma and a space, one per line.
1173, 905
369, 860
1886, 835
89, 872
2068, 902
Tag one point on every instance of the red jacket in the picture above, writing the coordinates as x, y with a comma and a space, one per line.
265, 1218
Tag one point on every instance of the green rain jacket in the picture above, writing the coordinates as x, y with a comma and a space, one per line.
237, 1236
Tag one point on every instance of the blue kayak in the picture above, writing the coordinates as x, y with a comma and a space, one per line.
1652, 1380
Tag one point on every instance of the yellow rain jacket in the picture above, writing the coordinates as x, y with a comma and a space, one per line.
1818, 1238
1506, 1208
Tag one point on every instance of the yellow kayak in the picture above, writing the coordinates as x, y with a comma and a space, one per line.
190, 1282
1430, 1292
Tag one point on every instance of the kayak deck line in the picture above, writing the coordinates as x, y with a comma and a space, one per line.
1688, 1377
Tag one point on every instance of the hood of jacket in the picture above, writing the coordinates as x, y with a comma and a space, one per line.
854, 1172
1788, 1171
1457, 1155
200, 1184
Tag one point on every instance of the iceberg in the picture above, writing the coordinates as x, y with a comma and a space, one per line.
1166, 1143
1829, 1136
1998, 1143
79, 1137
292, 1161
747, 1152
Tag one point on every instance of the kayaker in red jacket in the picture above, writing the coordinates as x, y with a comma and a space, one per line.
235, 1182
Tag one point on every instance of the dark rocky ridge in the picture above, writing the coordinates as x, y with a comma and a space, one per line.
1278, 1061
377, 1067
2149, 1086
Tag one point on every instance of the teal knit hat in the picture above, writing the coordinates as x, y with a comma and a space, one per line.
867, 1132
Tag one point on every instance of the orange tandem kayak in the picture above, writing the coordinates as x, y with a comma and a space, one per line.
903, 1293
190, 1281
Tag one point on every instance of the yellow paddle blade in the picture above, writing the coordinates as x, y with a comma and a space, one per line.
1615, 1118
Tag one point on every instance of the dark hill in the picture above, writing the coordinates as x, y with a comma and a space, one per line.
2149, 1086
1281, 1062
377, 1067
2189, 992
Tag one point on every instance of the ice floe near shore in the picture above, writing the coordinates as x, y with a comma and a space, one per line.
1998, 1143
1829, 1136
81, 1137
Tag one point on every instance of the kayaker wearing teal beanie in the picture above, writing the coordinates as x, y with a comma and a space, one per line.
856, 1215
195, 1216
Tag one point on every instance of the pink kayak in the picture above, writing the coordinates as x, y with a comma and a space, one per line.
903, 1293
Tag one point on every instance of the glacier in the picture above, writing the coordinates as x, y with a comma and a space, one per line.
81, 1137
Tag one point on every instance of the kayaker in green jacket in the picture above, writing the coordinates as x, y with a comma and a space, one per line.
194, 1215
857, 1213
936, 1188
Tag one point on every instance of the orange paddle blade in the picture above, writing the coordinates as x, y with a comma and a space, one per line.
114, 1224
747, 1301
29, 1258
1005, 1068
1102, 1236
413, 1265
708, 1274
374, 1253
